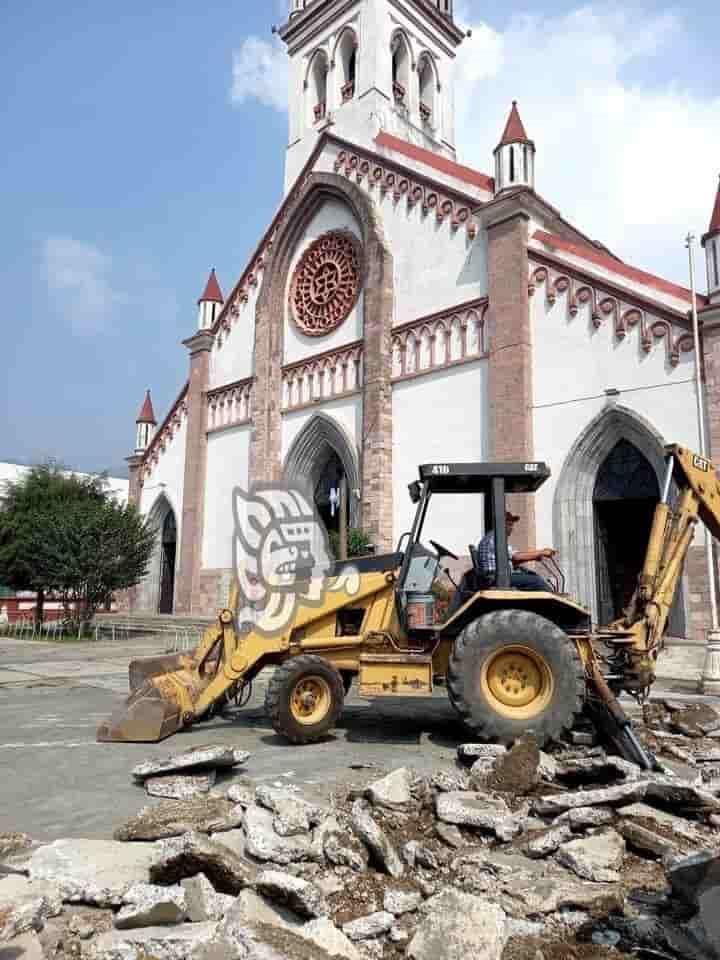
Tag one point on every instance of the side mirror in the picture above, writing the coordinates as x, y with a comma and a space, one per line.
415, 491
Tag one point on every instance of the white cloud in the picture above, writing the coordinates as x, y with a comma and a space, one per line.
634, 165
78, 282
260, 72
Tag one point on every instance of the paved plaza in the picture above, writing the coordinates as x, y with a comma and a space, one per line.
57, 781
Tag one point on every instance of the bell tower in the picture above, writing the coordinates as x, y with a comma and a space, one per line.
374, 65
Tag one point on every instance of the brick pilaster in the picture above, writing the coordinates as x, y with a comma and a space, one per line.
134, 487
195, 465
510, 358
377, 478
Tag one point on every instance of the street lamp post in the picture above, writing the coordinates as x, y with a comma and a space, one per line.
710, 678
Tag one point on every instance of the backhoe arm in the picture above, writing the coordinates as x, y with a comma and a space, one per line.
673, 528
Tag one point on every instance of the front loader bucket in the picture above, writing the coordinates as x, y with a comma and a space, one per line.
146, 717
147, 667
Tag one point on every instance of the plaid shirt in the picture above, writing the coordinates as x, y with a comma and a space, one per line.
486, 553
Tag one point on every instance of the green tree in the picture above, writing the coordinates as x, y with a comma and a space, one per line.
65, 535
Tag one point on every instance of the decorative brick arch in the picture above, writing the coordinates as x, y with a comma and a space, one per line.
308, 454
573, 507
378, 287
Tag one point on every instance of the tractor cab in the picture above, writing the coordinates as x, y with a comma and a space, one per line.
421, 563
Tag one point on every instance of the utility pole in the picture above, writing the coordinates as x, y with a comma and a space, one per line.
710, 678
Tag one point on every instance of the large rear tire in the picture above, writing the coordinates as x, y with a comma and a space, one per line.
304, 698
513, 672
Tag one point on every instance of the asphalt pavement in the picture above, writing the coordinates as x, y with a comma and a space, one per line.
56, 781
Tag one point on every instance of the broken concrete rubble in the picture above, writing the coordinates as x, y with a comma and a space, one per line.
598, 857
92, 871
179, 787
199, 758
265, 843
148, 905
173, 818
372, 925
458, 926
180, 857
302, 897
476, 809
392, 791
381, 849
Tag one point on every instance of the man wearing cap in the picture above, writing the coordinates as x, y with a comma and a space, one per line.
519, 578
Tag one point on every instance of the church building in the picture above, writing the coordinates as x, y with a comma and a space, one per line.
404, 308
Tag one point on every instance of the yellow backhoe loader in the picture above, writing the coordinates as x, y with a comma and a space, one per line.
514, 661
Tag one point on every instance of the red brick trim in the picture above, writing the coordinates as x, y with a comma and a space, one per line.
436, 161
624, 314
616, 266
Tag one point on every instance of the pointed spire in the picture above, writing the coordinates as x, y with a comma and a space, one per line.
715, 218
147, 414
212, 292
514, 131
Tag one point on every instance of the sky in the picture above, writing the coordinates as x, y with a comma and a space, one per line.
143, 144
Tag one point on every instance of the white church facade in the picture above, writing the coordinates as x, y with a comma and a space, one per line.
403, 308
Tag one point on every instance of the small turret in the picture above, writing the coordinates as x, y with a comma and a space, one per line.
210, 303
514, 155
711, 243
146, 424
296, 6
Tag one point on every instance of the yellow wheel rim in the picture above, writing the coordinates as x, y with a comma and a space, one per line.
310, 700
517, 682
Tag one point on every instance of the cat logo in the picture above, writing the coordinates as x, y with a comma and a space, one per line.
530, 467
700, 463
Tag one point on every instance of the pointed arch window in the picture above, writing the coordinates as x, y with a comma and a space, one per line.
427, 82
512, 164
318, 86
347, 58
400, 69
714, 256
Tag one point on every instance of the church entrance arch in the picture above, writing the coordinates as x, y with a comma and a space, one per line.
157, 592
323, 462
603, 507
168, 549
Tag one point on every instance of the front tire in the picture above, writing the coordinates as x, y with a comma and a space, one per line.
513, 672
304, 698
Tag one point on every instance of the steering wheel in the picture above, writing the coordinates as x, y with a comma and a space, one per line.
443, 551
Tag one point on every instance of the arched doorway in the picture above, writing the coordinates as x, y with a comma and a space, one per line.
323, 462
618, 457
626, 492
168, 550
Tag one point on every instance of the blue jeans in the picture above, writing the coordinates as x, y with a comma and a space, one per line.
522, 579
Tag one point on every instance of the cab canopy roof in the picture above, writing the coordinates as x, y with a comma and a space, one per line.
478, 477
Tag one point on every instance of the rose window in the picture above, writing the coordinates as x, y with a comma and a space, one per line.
326, 283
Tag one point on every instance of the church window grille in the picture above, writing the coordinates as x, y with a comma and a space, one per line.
525, 164
326, 283
714, 255
512, 164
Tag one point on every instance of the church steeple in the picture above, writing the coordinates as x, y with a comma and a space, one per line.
361, 68
514, 155
145, 423
210, 303
711, 243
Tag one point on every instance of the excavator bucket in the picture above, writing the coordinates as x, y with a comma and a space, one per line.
147, 716
148, 667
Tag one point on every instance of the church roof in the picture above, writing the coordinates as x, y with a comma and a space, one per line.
715, 218
212, 291
514, 130
615, 265
436, 161
147, 414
